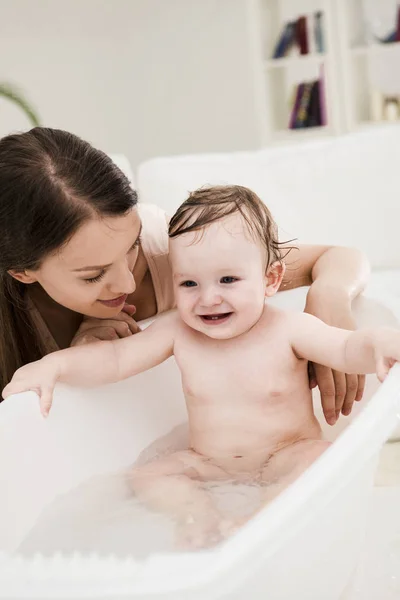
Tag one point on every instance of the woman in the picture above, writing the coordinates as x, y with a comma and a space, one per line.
79, 258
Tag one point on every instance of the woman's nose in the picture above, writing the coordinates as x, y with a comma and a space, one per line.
124, 281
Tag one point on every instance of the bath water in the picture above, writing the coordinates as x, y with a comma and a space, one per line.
102, 515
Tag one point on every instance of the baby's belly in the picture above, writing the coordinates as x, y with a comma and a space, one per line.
249, 436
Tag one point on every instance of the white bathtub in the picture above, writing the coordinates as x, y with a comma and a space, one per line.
305, 545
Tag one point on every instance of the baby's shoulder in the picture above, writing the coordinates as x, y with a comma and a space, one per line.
281, 316
164, 323
168, 319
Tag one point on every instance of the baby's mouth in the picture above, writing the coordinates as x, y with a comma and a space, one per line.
211, 319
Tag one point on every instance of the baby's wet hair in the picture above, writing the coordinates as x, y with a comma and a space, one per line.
209, 204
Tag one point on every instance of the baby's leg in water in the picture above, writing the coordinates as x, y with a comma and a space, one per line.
284, 467
176, 440
172, 485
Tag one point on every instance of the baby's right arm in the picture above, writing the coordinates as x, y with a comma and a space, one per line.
97, 364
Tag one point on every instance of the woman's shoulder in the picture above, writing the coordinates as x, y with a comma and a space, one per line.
155, 245
152, 213
154, 234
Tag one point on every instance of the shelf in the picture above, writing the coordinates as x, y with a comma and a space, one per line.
375, 49
289, 61
354, 65
363, 125
297, 135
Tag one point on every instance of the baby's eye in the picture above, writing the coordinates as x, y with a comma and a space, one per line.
188, 283
228, 279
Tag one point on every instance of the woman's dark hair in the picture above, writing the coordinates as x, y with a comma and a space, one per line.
51, 182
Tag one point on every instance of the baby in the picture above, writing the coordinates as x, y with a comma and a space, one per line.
243, 363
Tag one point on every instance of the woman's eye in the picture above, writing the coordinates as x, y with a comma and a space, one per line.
135, 245
188, 284
228, 279
95, 279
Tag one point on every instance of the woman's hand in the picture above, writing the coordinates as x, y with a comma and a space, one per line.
120, 326
336, 275
338, 390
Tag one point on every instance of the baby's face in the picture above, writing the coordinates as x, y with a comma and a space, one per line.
219, 278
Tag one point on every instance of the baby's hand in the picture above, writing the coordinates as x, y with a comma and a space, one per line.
40, 377
387, 352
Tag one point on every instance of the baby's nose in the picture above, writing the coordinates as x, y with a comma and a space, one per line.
210, 297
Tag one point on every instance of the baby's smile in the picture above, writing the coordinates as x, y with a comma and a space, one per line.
215, 319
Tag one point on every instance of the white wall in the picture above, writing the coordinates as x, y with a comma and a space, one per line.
142, 77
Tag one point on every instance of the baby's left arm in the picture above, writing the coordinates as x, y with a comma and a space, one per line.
361, 351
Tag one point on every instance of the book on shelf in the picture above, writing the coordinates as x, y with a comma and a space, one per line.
296, 104
308, 109
392, 36
319, 31
322, 98
304, 33
302, 113
285, 41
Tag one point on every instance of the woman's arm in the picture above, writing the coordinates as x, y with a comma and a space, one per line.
336, 276
327, 268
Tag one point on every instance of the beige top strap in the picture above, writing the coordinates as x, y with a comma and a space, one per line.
154, 240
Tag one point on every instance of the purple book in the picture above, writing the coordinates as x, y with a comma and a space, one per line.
322, 99
293, 116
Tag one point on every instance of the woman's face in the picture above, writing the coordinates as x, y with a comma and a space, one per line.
92, 273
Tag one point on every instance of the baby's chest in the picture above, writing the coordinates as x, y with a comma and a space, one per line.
257, 370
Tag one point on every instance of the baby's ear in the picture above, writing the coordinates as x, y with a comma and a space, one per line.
274, 276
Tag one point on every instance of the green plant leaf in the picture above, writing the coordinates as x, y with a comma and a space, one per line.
14, 95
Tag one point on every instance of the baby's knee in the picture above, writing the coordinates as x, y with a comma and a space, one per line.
153, 471
139, 478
